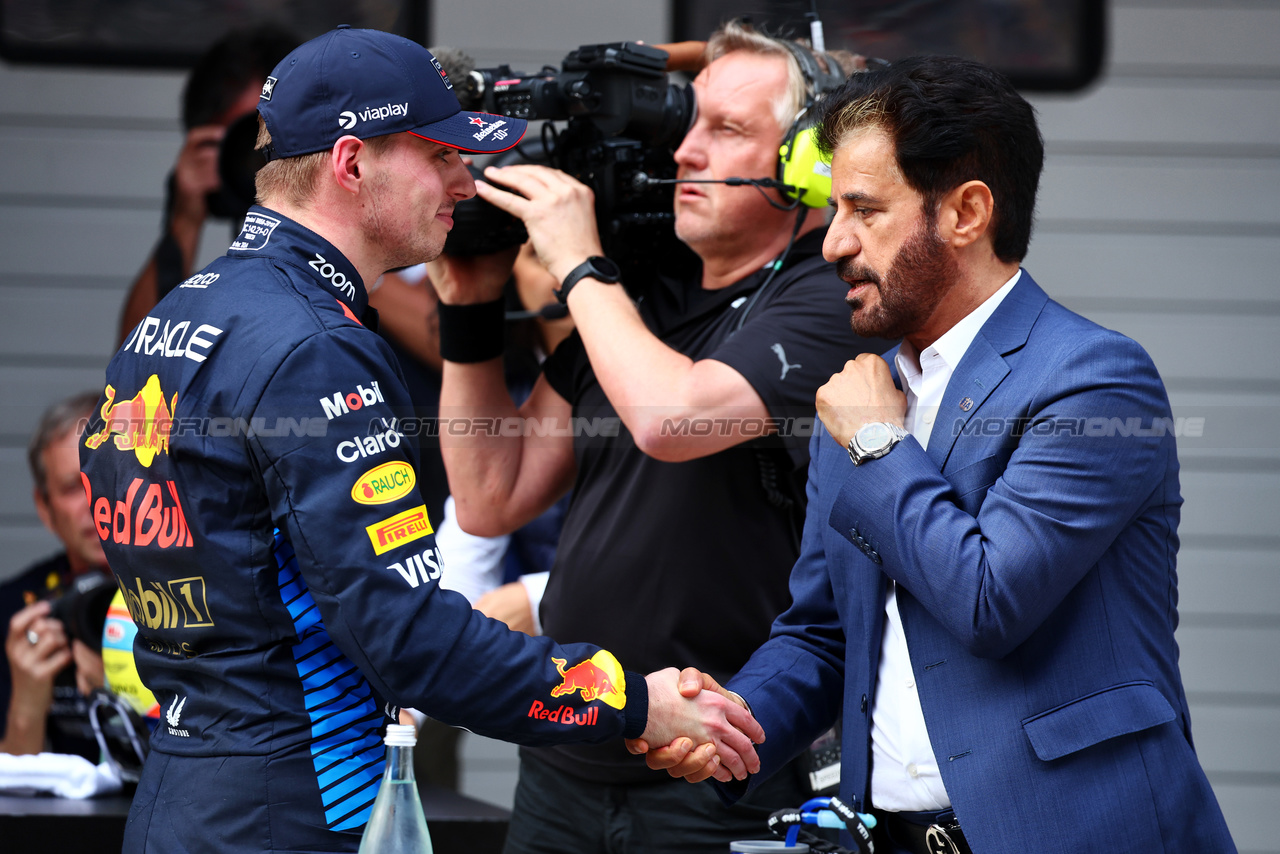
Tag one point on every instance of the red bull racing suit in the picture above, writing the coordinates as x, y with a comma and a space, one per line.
249, 476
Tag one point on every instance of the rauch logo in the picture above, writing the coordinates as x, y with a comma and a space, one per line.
383, 484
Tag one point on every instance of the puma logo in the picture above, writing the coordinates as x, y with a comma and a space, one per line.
782, 357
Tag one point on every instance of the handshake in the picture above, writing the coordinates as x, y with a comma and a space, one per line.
697, 729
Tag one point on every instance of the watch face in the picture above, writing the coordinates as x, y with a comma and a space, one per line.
873, 437
606, 267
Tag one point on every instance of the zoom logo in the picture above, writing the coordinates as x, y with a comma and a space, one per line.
346, 120
335, 276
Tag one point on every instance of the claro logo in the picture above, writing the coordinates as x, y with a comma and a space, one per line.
367, 446
384, 483
399, 529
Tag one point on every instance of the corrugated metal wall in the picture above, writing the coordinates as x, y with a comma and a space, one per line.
1158, 217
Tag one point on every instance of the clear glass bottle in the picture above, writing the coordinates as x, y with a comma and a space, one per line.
397, 825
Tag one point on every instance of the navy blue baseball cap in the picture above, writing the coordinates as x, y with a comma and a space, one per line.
367, 83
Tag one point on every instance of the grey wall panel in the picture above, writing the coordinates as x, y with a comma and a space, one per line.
1160, 113
1199, 346
500, 27
89, 98
112, 166
1219, 660
1152, 190
1219, 734
15, 500
488, 771
76, 240
1250, 811
1230, 504
1236, 424
1223, 579
1195, 40
27, 393
1208, 269
42, 240
59, 322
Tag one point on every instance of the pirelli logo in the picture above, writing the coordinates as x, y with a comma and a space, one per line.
399, 529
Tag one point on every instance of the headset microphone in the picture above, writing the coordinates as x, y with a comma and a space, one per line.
642, 180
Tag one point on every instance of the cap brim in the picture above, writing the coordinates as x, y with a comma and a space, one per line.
483, 133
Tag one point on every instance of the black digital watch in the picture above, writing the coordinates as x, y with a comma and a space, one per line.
597, 267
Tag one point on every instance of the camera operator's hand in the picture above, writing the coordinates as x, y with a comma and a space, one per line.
465, 280
90, 672
37, 649
558, 211
195, 175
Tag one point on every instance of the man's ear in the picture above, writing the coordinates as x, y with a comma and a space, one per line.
348, 160
965, 214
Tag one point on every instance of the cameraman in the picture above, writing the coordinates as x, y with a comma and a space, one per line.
223, 87
39, 694
678, 542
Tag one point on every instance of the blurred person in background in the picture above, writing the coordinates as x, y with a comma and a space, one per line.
222, 88
46, 674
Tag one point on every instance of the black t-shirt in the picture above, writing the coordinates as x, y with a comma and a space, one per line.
686, 564
67, 728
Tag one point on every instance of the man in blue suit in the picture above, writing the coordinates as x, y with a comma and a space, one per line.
986, 594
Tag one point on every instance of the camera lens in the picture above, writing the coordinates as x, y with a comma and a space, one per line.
83, 608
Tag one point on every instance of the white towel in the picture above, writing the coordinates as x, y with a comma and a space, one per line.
61, 774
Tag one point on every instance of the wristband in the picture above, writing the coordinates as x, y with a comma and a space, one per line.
472, 333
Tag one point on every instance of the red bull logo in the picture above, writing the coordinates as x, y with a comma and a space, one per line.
151, 516
598, 678
140, 424
565, 714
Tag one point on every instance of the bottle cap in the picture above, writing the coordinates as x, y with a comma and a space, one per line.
401, 735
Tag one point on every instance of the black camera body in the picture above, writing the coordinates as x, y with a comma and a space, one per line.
82, 608
621, 87
623, 120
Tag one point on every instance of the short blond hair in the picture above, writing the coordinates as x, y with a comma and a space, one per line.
289, 179
736, 36
293, 179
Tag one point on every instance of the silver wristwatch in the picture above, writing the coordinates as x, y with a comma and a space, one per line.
874, 440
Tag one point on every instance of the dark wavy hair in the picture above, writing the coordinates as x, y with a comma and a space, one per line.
241, 58
951, 120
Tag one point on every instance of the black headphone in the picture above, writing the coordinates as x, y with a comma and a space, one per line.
799, 164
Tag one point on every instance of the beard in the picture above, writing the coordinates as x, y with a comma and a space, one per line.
917, 279
405, 235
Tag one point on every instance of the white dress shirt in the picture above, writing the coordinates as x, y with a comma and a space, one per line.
904, 772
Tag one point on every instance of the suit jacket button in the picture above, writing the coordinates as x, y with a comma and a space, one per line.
864, 704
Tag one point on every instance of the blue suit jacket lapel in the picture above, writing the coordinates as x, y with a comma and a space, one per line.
983, 366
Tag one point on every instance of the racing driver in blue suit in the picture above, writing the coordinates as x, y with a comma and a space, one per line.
253, 490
